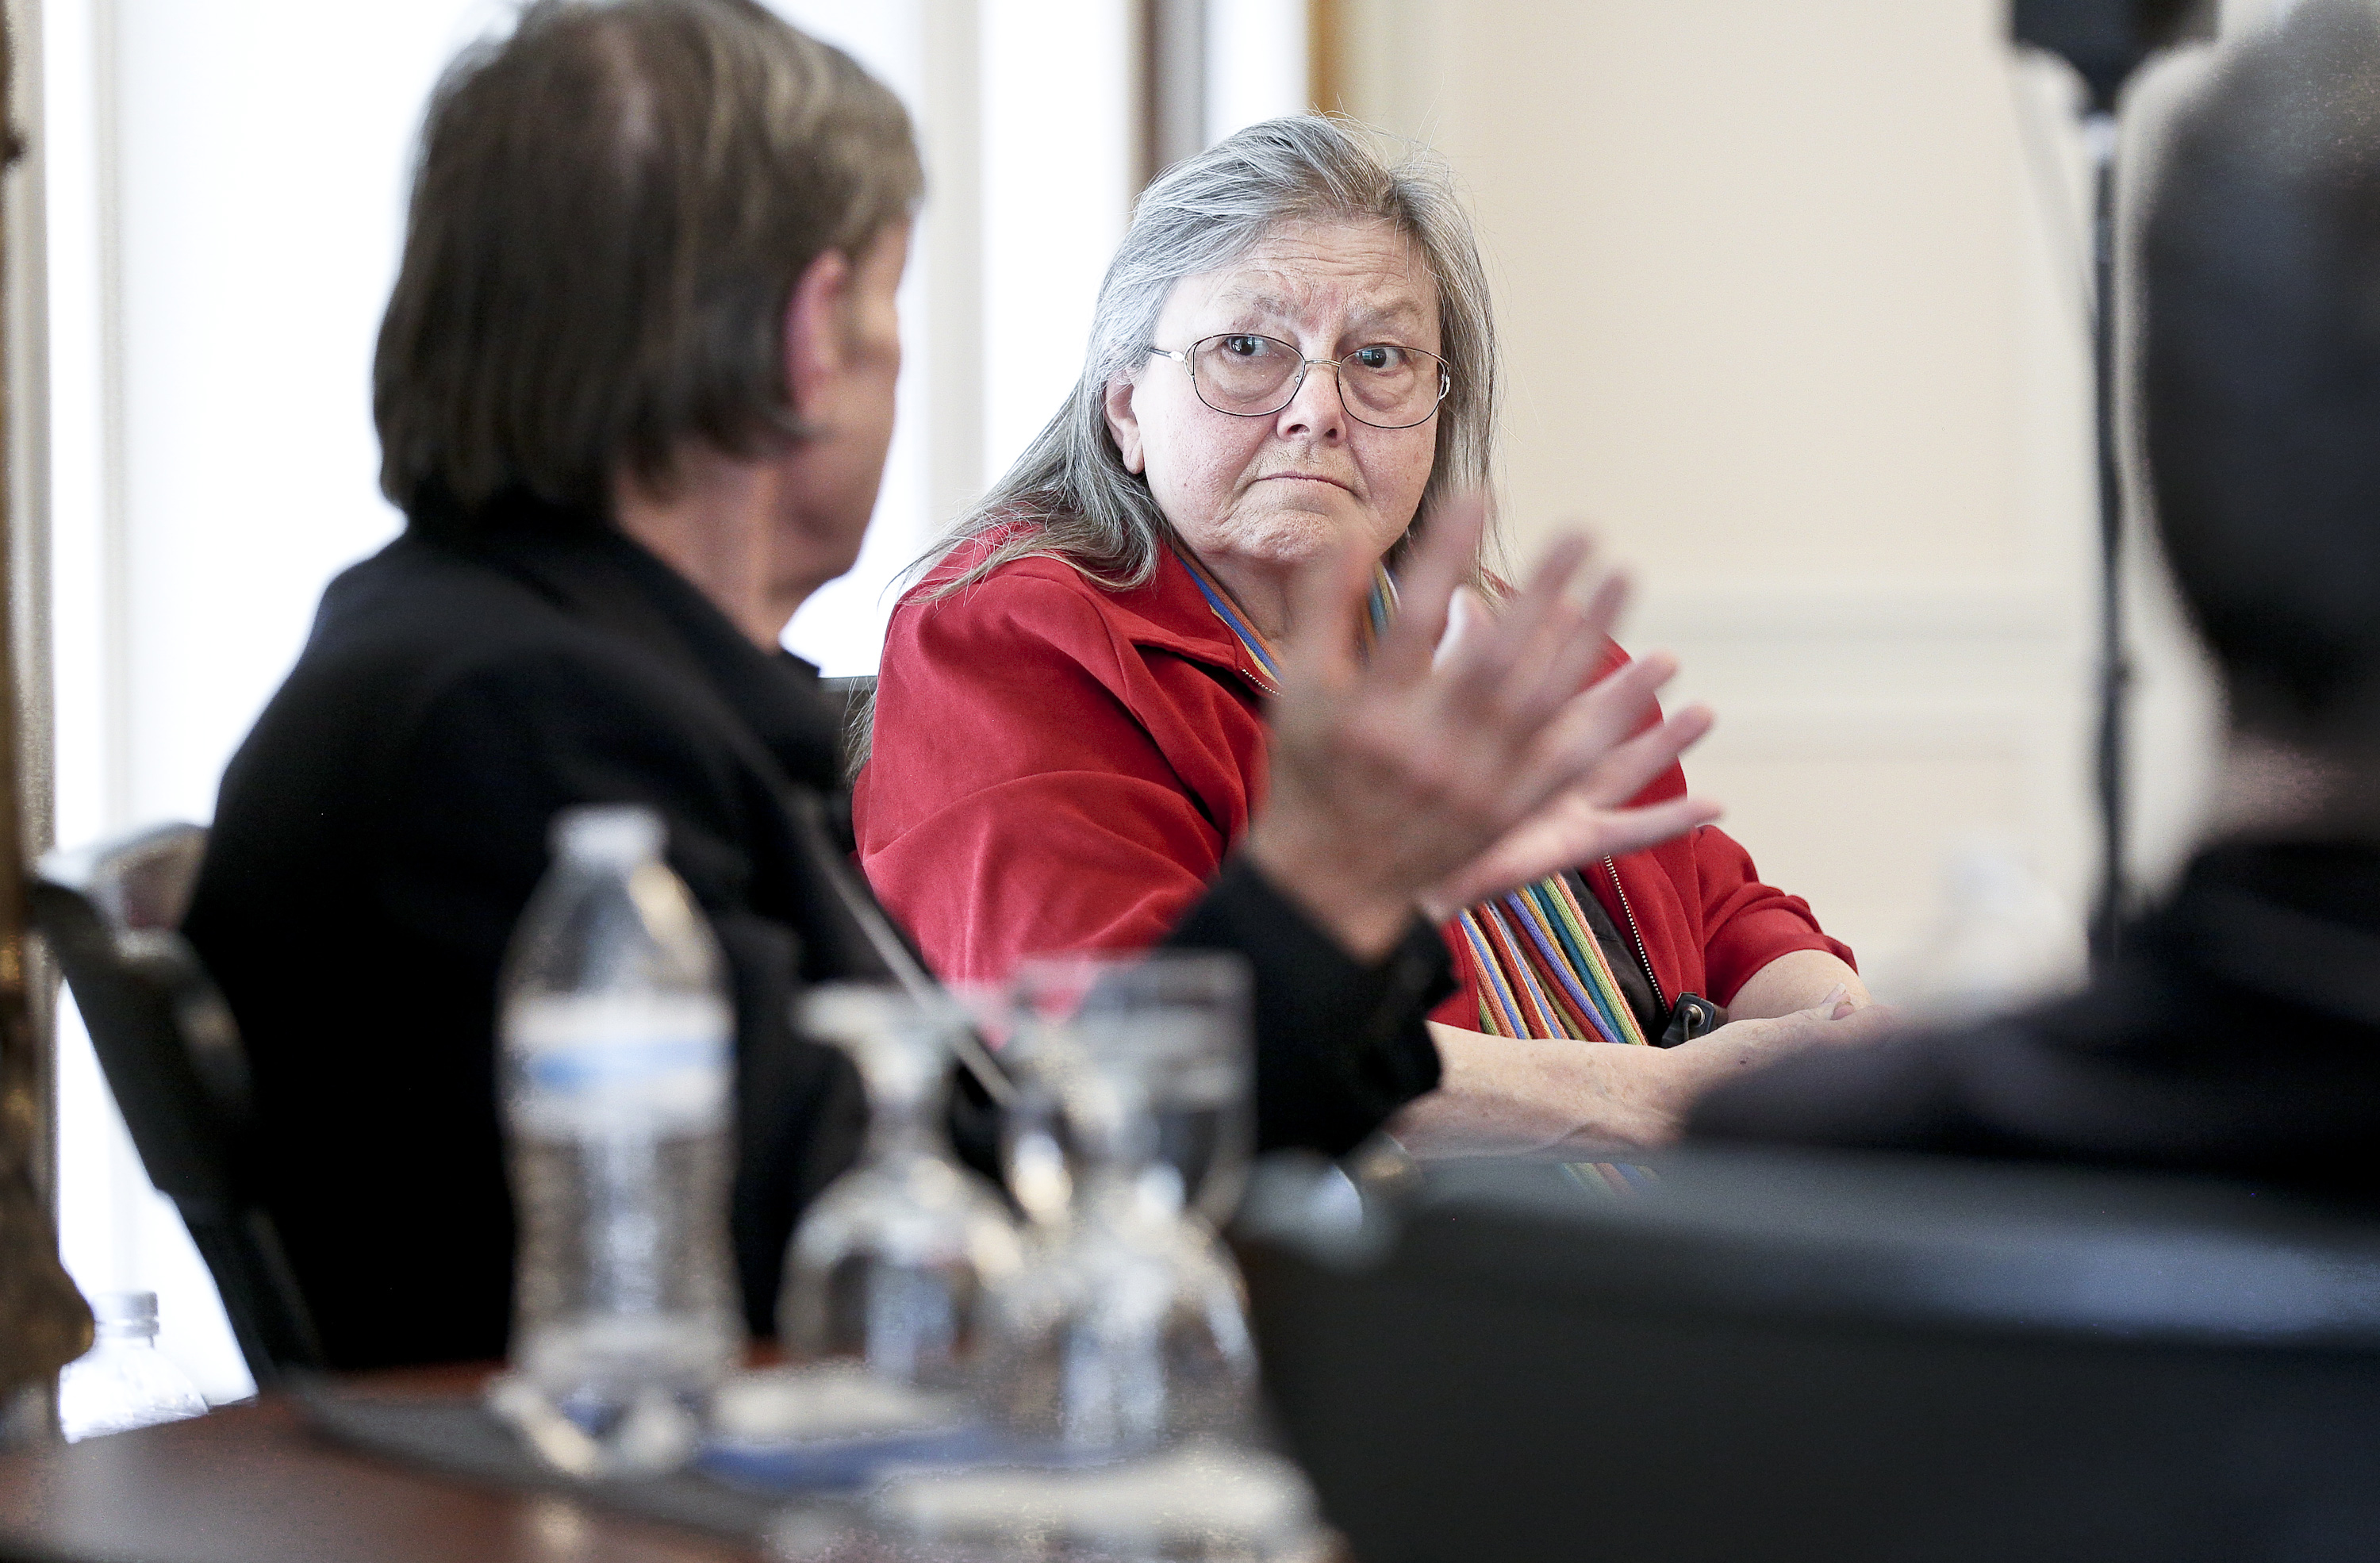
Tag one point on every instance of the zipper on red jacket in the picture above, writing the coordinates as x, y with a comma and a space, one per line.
1643, 959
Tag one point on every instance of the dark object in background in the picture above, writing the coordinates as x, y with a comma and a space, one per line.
1781, 1356
173, 1062
2106, 40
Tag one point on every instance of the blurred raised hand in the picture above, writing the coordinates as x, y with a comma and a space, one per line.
1439, 769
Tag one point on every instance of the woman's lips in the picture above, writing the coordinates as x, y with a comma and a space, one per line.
1303, 478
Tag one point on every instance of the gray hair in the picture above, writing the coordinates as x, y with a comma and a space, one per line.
1070, 495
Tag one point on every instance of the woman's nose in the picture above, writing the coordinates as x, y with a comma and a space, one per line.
1315, 411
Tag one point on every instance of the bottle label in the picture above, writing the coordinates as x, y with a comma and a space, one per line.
653, 1065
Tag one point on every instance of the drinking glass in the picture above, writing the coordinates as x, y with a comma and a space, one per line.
891, 1262
1176, 1026
1127, 1328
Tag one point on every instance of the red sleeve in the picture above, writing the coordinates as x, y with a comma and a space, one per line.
1747, 924
1026, 791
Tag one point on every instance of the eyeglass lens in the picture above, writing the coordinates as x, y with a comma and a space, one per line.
1385, 385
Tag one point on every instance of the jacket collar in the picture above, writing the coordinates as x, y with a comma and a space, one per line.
598, 576
1170, 613
1166, 614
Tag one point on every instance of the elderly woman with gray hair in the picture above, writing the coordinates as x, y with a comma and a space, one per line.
1292, 378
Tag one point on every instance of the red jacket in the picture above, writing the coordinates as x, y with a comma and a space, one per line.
1059, 767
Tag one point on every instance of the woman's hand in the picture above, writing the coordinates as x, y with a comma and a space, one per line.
1582, 1101
1838, 1020
1402, 780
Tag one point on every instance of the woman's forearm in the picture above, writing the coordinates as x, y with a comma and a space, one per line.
1794, 981
1517, 1096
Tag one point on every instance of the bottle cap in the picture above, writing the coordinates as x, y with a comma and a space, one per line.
121, 1308
613, 833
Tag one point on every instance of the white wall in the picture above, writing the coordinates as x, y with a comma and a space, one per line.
842, 626
1792, 310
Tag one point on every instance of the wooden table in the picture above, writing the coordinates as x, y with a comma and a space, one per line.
252, 1484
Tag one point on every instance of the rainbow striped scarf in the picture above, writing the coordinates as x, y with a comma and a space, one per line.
1536, 964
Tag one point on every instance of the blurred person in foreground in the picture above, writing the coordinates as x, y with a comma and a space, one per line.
2239, 1031
1292, 354
634, 390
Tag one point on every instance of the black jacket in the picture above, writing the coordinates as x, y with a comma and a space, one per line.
2239, 1034
380, 828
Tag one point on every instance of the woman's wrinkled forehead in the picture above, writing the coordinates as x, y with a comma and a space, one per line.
1364, 278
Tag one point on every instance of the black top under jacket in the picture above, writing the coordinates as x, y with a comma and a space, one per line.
2239, 1034
380, 828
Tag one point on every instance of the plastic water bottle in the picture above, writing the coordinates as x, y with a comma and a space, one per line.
618, 1039
123, 1381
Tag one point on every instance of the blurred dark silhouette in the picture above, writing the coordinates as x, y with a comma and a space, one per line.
2105, 41
611, 205
2240, 1031
1825, 1357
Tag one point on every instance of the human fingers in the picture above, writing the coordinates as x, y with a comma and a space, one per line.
1566, 833
1565, 751
1746, 1043
1440, 562
1592, 639
1508, 687
1751, 1044
1551, 644
1508, 655
1634, 765
1834, 1021
1854, 1024
1605, 601
1571, 644
1829, 1006
1623, 831
1469, 620
1566, 656
1466, 615
1330, 591
1543, 594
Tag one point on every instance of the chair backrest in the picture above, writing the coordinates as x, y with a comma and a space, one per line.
173, 1058
1782, 1357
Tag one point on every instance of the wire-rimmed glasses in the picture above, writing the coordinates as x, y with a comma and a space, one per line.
1246, 375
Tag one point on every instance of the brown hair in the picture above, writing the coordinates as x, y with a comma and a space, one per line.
610, 211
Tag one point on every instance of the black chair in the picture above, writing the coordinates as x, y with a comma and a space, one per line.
173, 1058
1851, 1359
